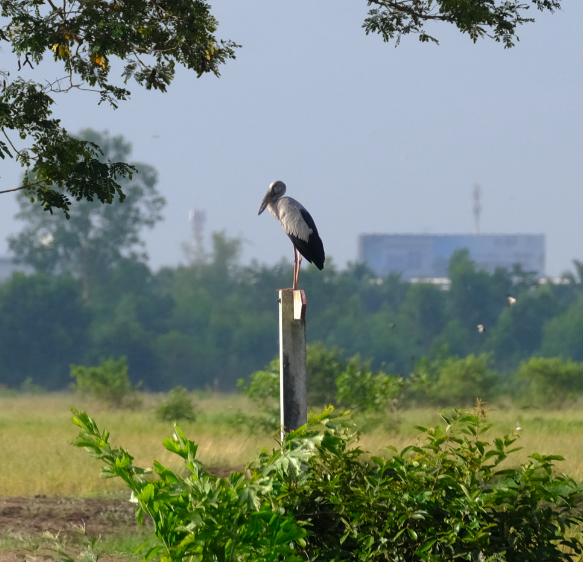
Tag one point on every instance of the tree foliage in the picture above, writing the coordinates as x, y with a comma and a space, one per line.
550, 381
214, 321
85, 38
496, 19
150, 39
96, 237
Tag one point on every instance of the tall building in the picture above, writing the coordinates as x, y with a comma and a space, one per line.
428, 255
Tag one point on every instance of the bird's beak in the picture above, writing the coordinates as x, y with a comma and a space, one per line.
265, 202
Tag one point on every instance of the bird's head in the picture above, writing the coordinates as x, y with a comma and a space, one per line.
275, 191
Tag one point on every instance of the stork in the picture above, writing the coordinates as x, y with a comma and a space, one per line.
298, 224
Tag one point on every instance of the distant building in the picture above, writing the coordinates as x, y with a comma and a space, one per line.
428, 255
8, 267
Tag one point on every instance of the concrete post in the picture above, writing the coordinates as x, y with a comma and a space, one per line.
292, 359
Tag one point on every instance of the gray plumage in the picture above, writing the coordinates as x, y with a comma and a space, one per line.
297, 223
288, 212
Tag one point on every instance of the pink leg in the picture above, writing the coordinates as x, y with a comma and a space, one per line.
298, 270
295, 268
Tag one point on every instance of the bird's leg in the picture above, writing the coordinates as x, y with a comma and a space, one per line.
298, 270
295, 268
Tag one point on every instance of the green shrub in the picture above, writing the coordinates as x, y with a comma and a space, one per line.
28, 386
323, 367
108, 382
459, 381
263, 386
263, 389
549, 381
177, 406
318, 498
359, 388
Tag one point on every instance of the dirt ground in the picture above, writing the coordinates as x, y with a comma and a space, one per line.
36, 516
25, 522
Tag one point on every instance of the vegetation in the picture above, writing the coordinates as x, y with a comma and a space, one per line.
550, 382
109, 382
76, 545
479, 19
317, 498
47, 466
96, 237
178, 405
211, 322
87, 40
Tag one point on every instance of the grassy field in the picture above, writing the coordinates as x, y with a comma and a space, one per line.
37, 458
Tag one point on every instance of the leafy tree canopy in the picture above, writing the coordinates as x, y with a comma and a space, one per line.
97, 236
86, 36
497, 19
150, 38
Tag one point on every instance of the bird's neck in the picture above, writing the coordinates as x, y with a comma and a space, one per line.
274, 208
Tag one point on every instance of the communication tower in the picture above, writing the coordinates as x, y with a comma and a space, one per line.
197, 218
477, 206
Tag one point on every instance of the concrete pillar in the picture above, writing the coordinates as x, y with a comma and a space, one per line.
292, 359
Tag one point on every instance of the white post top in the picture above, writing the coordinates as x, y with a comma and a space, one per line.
299, 305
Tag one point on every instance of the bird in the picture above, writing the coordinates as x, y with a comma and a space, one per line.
511, 300
481, 328
298, 224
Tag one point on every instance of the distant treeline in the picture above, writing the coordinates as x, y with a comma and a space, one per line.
215, 321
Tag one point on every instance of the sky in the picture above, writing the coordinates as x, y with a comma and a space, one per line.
368, 137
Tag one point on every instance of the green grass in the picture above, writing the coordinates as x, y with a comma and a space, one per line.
36, 431
78, 547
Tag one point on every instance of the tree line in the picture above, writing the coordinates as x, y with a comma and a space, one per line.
215, 320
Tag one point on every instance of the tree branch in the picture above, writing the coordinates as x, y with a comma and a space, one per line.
22, 187
399, 7
8, 139
15, 189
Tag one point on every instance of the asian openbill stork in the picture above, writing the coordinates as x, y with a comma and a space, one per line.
297, 224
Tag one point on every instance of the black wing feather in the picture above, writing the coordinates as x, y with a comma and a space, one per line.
313, 249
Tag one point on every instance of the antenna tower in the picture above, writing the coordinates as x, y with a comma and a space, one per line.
197, 218
477, 206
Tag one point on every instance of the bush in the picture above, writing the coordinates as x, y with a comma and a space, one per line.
108, 382
177, 406
317, 498
28, 386
263, 389
459, 381
323, 367
359, 388
550, 381
263, 386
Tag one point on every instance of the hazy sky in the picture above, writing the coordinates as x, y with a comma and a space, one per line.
370, 138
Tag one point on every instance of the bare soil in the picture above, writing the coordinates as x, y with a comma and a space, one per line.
36, 516
31, 518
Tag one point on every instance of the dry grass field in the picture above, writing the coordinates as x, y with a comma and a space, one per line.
38, 459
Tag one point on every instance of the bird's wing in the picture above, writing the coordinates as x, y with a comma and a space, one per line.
295, 220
